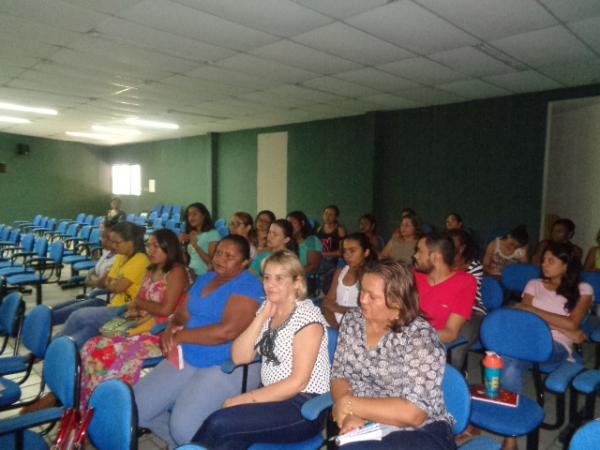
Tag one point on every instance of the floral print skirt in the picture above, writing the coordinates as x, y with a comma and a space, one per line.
104, 358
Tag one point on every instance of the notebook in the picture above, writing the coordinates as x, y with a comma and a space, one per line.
505, 398
372, 431
176, 357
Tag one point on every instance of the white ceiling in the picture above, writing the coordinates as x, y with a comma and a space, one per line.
222, 65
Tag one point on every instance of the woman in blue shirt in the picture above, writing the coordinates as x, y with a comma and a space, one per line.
220, 305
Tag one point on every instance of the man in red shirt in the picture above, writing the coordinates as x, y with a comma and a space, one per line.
446, 295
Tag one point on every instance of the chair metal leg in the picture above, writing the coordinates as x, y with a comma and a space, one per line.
533, 440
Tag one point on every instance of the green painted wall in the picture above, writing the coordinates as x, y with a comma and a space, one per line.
181, 168
483, 159
58, 179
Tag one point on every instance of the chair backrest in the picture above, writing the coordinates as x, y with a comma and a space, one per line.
84, 232
593, 278
95, 236
167, 210
50, 224
332, 336
157, 223
516, 276
72, 230
164, 217
37, 330
153, 215
4, 233
140, 221
61, 370
517, 334
223, 231
41, 247
89, 219
27, 242
98, 221
171, 225
114, 425
43, 222
176, 216
457, 398
62, 227
57, 250
491, 293
176, 210
80, 218
587, 437
14, 236
37, 220
220, 223
130, 217
10, 310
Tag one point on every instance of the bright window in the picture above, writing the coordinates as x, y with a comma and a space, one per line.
126, 179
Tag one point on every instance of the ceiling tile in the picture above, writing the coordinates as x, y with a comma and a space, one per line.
295, 91
297, 55
26, 31
162, 41
229, 78
471, 61
217, 88
426, 96
589, 31
339, 87
342, 10
36, 97
492, 19
377, 79
350, 43
263, 68
278, 17
8, 71
575, 73
270, 98
573, 9
104, 6
411, 27
474, 89
181, 20
524, 81
53, 12
544, 47
31, 48
423, 71
389, 101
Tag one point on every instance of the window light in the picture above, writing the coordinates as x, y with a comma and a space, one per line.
151, 123
31, 109
126, 179
9, 119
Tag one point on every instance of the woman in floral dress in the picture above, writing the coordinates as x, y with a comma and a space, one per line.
164, 286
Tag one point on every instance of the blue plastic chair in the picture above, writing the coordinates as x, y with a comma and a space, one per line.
220, 223
525, 336
61, 375
587, 437
12, 239
36, 221
22, 251
516, 276
40, 249
46, 268
12, 310
114, 424
491, 293
130, 218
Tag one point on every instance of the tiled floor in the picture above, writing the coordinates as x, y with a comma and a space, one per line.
53, 294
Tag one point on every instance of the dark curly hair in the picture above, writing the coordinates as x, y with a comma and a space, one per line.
569, 284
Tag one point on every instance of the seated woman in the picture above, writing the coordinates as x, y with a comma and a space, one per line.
200, 237
241, 223
123, 281
506, 250
289, 334
330, 234
219, 307
367, 225
389, 365
309, 248
343, 293
164, 286
263, 222
401, 247
281, 237
562, 232
115, 214
465, 259
454, 222
96, 278
562, 300
592, 260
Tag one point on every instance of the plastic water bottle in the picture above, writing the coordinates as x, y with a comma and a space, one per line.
492, 370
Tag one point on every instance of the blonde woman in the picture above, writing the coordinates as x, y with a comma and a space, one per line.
290, 335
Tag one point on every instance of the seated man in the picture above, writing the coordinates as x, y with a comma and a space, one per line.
446, 295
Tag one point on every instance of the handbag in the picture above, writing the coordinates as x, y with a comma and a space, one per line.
122, 327
73, 429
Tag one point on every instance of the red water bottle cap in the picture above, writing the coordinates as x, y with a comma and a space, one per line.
493, 361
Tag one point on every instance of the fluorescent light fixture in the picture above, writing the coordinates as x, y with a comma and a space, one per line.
9, 119
116, 130
84, 134
31, 109
151, 123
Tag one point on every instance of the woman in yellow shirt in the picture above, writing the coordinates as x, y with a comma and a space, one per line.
123, 281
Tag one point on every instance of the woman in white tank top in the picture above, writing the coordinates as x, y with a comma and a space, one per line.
344, 291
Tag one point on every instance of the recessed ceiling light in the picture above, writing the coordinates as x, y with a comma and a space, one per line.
14, 107
116, 130
151, 123
85, 134
9, 119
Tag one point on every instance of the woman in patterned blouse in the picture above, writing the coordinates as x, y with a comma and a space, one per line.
389, 365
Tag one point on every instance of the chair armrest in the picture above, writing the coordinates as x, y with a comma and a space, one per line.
457, 343
229, 366
312, 408
34, 419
